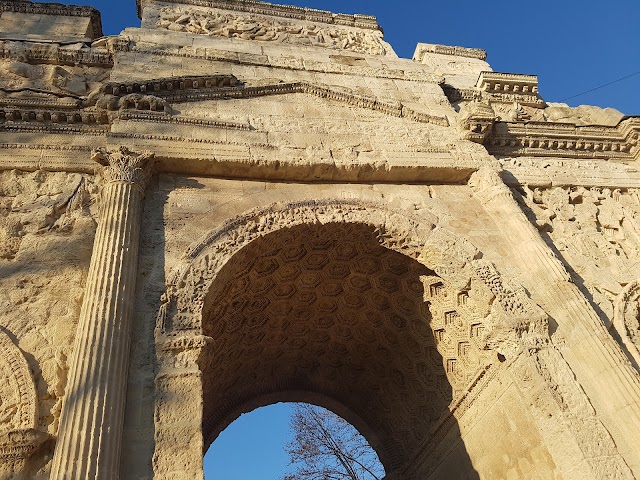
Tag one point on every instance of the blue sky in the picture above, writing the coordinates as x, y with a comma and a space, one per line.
252, 447
572, 45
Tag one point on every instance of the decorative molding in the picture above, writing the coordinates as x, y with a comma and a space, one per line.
396, 109
41, 103
161, 117
29, 146
625, 319
52, 128
476, 119
218, 23
123, 165
171, 84
546, 139
55, 9
54, 54
185, 342
18, 404
22, 114
283, 11
509, 87
508, 82
137, 95
424, 48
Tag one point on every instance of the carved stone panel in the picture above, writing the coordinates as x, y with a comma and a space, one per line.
18, 404
217, 23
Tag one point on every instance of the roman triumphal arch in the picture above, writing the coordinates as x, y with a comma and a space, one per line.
241, 203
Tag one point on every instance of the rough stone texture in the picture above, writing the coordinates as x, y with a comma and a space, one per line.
426, 247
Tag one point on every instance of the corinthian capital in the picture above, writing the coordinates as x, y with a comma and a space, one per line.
123, 165
487, 184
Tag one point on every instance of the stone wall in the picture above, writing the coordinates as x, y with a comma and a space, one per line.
242, 203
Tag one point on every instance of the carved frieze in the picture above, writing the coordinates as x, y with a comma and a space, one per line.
52, 116
230, 25
596, 230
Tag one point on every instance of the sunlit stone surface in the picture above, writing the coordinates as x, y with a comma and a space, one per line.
241, 203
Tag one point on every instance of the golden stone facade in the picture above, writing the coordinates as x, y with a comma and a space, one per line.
241, 203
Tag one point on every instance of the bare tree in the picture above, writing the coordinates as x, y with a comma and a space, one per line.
327, 447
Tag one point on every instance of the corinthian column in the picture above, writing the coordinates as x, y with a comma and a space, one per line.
91, 422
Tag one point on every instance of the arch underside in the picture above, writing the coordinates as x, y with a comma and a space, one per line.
327, 314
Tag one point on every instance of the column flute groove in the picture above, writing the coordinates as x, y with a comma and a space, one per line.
91, 422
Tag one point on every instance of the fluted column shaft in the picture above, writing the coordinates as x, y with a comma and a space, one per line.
91, 423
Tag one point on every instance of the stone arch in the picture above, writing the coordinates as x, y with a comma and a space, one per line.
478, 313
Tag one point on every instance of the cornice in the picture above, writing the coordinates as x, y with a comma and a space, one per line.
424, 48
40, 103
161, 117
546, 139
12, 114
396, 109
56, 9
35, 52
171, 84
501, 87
226, 87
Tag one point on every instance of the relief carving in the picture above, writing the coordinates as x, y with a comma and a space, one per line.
218, 24
20, 78
597, 231
476, 120
626, 319
123, 165
18, 404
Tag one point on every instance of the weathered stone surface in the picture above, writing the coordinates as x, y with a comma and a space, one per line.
426, 247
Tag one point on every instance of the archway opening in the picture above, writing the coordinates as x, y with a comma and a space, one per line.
325, 314
289, 441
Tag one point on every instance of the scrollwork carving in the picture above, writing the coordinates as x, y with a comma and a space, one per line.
18, 404
626, 318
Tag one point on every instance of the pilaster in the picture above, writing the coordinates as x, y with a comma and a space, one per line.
600, 366
91, 422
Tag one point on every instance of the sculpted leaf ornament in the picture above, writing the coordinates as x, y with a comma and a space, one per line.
123, 165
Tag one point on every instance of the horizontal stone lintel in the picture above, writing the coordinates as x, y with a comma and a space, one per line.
262, 162
234, 161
